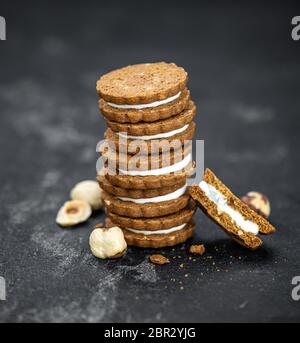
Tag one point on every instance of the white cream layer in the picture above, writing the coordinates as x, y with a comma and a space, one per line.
157, 136
171, 196
158, 232
149, 105
161, 171
220, 201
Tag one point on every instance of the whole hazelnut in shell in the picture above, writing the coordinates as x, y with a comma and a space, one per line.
108, 242
258, 202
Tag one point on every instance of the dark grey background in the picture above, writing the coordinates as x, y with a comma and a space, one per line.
244, 77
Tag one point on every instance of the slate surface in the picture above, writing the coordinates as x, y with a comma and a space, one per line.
244, 77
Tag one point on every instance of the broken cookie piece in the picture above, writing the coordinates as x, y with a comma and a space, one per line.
197, 249
238, 220
159, 259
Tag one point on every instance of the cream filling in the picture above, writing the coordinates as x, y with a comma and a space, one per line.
149, 105
221, 202
158, 232
157, 136
171, 196
161, 171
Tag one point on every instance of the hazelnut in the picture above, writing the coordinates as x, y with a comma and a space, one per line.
108, 242
258, 202
90, 192
73, 212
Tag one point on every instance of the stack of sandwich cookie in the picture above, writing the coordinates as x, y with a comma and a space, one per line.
148, 111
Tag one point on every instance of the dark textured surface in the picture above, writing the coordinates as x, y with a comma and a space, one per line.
244, 77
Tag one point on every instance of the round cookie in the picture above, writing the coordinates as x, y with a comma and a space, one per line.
156, 240
156, 127
151, 146
149, 115
161, 240
142, 83
145, 162
150, 181
147, 210
155, 223
137, 193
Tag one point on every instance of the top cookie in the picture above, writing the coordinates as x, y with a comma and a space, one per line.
142, 83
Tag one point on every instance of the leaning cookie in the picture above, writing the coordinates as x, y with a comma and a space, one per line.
147, 207
158, 239
239, 221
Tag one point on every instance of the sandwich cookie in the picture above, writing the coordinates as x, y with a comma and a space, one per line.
157, 239
142, 85
151, 143
140, 162
161, 128
238, 220
156, 223
148, 114
138, 193
147, 207
149, 181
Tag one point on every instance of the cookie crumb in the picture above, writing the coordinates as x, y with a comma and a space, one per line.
159, 259
198, 249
